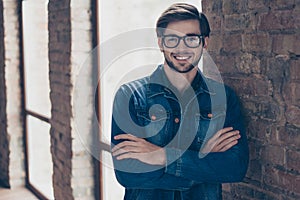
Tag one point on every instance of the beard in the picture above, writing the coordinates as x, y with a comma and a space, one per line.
188, 69
173, 67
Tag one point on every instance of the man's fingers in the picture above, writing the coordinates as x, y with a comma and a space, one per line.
127, 137
228, 146
233, 134
127, 155
123, 144
222, 140
222, 131
227, 143
126, 149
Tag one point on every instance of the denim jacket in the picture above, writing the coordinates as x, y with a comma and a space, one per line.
152, 108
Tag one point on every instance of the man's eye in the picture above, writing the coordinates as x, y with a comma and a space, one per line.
192, 39
172, 39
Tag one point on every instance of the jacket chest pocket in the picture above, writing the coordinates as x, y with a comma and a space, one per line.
156, 124
207, 124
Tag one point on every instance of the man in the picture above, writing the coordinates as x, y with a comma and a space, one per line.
177, 134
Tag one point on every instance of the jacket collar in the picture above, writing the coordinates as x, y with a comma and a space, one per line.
159, 83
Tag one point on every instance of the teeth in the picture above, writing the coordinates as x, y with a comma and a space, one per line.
181, 57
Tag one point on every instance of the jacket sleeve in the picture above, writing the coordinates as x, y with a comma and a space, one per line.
132, 173
220, 167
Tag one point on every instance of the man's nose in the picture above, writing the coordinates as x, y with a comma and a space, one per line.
181, 44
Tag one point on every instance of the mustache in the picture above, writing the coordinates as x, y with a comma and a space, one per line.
181, 53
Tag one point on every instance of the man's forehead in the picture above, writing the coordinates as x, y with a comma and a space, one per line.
181, 33
183, 27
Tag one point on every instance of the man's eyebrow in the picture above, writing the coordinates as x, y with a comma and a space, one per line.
170, 35
192, 34
188, 34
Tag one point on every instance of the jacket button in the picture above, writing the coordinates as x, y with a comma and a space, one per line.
153, 117
176, 120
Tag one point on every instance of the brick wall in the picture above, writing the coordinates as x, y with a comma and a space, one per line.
255, 44
70, 41
59, 64
11, 148
4, 151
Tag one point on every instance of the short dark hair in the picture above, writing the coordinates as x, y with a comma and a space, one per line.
179, 12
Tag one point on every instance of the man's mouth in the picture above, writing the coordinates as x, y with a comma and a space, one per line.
182, 57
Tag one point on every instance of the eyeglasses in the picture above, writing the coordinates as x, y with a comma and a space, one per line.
191, 41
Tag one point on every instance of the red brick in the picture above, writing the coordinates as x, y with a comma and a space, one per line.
4, 139
292, 115
255, 146
215, 22
271, 176
226, 64
226, 187
288, 181
295, 70
62, 27
250, 86
215, 43
291, 93
282, 4
212, 6
58, 5
289, 135
256, 4
233, 7
297, 185
243, 190
266, 78
293, 160
237, 22
276, 69
249, 64
266, 195
278, 20
255, 170
232, 44
260, 43
286, 44
273, 155
258, 129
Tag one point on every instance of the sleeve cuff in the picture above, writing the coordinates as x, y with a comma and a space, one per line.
173, 161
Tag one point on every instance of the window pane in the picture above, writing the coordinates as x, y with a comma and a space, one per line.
118, 18
35, 38
39, 156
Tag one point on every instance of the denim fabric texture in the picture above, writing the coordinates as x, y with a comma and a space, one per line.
153, 109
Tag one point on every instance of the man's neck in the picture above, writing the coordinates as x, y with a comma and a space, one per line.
181, 81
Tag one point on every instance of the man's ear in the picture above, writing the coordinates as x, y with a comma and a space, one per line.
206, 41
159, 41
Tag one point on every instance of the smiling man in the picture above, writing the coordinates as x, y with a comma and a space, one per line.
176, 134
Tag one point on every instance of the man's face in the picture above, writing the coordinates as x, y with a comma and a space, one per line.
182, 58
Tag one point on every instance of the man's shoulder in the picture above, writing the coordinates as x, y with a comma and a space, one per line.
135, 88
138, 84
142, 84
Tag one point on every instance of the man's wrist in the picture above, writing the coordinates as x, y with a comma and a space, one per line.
162, 157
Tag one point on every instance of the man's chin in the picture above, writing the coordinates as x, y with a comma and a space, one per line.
180, 68
183, 69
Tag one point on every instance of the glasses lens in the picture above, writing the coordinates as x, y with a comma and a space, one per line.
171, 41
192, 41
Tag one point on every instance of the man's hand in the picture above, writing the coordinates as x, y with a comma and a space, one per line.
138, 148
223, 140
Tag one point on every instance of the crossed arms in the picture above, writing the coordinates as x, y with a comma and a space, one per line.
226, 161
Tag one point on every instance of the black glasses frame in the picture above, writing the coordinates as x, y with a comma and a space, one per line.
201, 40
